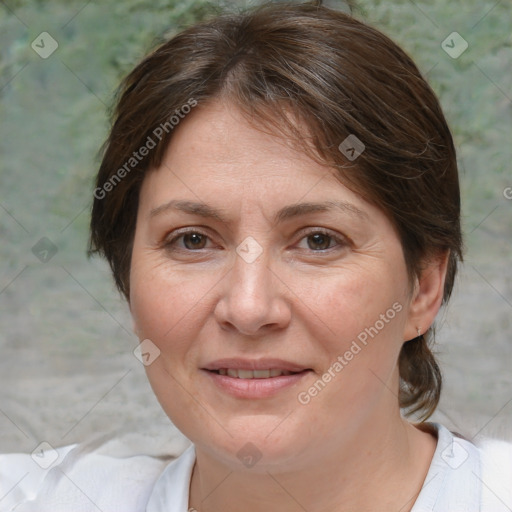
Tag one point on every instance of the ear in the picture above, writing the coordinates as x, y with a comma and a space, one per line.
427, 295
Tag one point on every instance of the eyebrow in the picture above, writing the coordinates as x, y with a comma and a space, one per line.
286, 213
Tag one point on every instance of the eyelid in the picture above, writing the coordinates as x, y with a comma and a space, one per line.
318, 229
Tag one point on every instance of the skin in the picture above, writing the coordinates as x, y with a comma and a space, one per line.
304, 299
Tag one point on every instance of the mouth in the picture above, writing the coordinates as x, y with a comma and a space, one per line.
253, 374
252, 379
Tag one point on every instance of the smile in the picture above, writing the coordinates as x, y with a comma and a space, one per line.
254, 384
253, 374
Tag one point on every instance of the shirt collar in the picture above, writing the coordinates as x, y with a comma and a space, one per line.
453, 479
171, 490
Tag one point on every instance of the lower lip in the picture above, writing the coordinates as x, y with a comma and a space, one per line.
255, 388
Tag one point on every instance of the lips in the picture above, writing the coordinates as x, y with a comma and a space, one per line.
254, 368
254, 378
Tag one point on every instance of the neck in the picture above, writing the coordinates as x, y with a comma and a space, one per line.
376, 469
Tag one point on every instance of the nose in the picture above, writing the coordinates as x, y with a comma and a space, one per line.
253, 298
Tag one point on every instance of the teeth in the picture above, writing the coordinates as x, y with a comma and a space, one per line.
253, 374
261, 374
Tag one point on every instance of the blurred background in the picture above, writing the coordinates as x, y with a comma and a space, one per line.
67, 368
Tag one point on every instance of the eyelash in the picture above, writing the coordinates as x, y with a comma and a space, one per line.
170, 245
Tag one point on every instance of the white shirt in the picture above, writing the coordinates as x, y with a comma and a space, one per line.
462, 477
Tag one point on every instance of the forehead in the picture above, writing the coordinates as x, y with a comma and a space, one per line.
216, 149
220, 132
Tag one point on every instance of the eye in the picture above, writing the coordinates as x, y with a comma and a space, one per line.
190, 241
193, 240
319, 241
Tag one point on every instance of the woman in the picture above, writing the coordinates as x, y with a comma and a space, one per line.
279, 203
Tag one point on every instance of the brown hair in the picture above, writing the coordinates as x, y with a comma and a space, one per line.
339, 77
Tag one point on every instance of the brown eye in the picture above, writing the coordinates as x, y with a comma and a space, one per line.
322, 242
319, 241
194, 241
187, 241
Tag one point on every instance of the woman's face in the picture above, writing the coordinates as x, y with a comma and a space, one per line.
250, 256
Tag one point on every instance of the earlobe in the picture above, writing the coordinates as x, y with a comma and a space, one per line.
427, 295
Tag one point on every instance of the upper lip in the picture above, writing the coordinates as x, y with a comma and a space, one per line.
254, 364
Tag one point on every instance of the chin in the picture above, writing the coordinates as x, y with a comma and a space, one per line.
257, 443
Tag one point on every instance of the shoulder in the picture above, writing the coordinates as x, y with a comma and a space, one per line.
496, 474
22, 474
467, 476
116, 474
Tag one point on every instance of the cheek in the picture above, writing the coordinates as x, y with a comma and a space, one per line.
166, 309
163, 302
350, 303
364, 314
